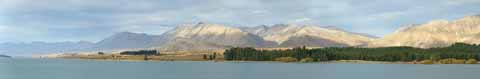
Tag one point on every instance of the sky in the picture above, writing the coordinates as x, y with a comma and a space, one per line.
93, 20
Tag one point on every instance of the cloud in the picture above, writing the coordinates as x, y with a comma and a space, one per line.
3, 29
300, 20
460, 2
15, 34
258, 11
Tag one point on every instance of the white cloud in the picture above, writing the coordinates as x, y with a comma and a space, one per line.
259, 11
300, 20
3, 28
460, 2
387, 16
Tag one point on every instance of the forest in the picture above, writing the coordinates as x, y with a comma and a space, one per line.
391, 54
140, 52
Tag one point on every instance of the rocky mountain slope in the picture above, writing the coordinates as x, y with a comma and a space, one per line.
437, 33
203, 35
290, 35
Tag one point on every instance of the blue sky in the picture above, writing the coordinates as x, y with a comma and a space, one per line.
93, 20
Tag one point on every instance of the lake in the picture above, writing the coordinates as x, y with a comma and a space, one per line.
25, 68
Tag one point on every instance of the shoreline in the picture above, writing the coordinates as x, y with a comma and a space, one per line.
182, 57
221, 61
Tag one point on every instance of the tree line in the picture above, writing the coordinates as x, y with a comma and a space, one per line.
140, 52
403, 53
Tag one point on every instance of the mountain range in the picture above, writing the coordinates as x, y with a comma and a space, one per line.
201, 36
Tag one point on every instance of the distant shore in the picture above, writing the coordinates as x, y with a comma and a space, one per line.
166, 57
326, 62
199, 58
219, 58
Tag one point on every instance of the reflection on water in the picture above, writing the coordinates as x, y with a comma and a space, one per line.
94, 69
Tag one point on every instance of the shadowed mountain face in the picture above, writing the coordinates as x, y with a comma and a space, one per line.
438, 33
125, 40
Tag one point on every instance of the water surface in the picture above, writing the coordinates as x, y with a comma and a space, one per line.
94, 69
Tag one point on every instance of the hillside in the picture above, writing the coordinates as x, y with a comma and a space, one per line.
292, 35
437, 33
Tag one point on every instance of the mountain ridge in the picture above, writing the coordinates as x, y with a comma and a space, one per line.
215, 34
282, 32
436, 33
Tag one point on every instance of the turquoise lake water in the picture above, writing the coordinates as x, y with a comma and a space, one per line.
94, 69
